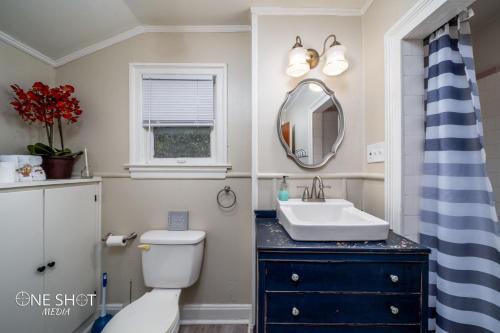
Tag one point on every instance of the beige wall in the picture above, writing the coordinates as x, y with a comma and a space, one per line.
379, 18
141, 205
485, 39
360, 91
487, 55
17, 67
276, 35
101, 82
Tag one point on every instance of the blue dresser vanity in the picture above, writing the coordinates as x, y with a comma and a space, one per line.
341, 287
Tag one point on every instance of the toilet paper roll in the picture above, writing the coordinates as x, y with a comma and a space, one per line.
113, 241
7, 172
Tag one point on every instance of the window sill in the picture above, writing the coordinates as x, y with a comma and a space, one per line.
159, 171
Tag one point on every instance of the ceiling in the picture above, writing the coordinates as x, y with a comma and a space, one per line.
57, 28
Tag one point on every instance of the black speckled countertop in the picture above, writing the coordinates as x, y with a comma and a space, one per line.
271, 236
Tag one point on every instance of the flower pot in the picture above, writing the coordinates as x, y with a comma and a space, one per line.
58, 167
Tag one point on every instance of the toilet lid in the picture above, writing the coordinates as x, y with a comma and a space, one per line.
167, 237
155, 312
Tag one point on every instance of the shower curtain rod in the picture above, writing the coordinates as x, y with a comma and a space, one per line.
466, 15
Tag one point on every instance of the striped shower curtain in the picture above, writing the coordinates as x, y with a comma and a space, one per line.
458, 217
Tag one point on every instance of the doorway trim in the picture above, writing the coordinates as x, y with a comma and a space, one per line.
420, 21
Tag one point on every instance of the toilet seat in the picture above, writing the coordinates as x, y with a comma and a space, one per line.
155, 312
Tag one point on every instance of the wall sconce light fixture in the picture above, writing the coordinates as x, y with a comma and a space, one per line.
302, 60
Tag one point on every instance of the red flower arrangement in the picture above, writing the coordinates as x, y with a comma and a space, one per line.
49, 106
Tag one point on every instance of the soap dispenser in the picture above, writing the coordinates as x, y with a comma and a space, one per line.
283, 193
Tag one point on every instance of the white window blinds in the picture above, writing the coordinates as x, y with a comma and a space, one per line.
178, 100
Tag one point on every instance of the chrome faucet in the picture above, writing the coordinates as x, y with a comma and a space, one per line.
317, 194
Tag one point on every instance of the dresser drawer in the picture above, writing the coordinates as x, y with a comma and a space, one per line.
342, 308
284, 328
343, 276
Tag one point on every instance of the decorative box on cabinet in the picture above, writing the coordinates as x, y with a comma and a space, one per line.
341, 287
50, 235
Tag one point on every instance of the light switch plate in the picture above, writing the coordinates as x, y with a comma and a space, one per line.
375, 153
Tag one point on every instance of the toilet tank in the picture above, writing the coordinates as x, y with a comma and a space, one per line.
172, 259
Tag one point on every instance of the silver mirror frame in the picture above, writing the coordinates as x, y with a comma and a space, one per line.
340, 136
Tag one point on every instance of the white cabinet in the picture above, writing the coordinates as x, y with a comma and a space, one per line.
51, 249
21, 220
70, 239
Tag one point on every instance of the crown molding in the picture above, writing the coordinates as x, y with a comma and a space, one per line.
100, 45
315, 11
141, 29
197, 28
8, 39
366, 6
148, 29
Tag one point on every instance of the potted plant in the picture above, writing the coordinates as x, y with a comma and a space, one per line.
50, 107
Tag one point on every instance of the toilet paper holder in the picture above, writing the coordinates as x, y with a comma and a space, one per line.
131, 236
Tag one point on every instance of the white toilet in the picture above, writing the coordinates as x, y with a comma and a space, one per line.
171, 260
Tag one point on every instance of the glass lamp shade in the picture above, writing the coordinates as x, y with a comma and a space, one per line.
297, 62
336, 62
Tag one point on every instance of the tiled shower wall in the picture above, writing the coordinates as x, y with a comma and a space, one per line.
413, 134
486, 53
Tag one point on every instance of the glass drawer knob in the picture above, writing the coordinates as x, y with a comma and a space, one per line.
394, 310
394, 278
295, 311
295, 277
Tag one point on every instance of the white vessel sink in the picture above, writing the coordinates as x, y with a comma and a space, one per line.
332, 220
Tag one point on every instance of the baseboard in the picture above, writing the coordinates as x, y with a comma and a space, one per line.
197, 314
200, 314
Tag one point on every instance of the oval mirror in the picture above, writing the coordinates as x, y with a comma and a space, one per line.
311, 124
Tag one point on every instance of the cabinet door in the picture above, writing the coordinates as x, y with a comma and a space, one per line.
21, 220
71, 243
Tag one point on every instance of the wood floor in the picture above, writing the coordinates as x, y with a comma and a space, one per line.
214, 329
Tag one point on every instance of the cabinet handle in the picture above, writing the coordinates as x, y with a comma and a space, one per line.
295, 277
40, 269
51, 264
394, 310
394, 278
295, 311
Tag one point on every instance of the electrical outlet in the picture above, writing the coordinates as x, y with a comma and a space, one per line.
375, 153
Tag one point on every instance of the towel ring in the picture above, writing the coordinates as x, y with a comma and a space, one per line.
227, 191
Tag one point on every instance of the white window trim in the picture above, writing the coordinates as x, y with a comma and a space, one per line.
140, 165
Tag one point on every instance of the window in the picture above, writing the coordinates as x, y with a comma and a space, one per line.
178, 121
178, 114
179, 142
